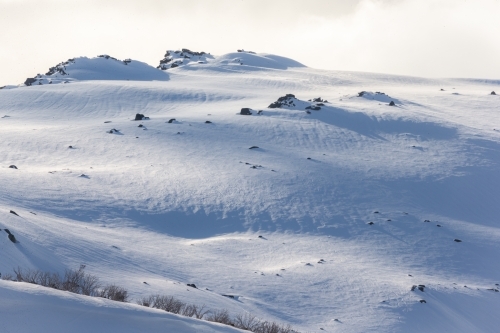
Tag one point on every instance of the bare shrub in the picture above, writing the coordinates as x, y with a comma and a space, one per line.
200, 311
75, 281
114, 293
169, 304
72, 280
29, 275
147, 301
220, 316
188, 310
246, 322
51, 280
89, 285
272, 327
8, 277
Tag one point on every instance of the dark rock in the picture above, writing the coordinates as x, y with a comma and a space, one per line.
12, 166
12, 238
140, 125
245, 111
413, 287
493, 93
371, 223
139, 116
457, 240
192, 285
208, 122
171, 120
308, 112
107, 121
260, 112
7, 231
426, 221
423, 301
308, 158
253, 147
421, 287
283, 100
376, 212
29, 81
260, 236
360, 94
442, 89
392, 103
13, 212
439, 226
229, 296
320, 104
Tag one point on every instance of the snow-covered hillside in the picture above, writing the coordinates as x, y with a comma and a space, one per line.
321, 212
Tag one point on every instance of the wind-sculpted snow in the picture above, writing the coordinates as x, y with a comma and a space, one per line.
355, 202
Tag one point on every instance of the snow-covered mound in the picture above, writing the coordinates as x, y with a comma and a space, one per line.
173, 59
378, 96
186, 57
102, 67
30, 308
258, 60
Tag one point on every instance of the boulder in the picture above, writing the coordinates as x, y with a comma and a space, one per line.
192, 285
139, 116
245, 111
29, 81
12, 238
208, 122
392, 103
493, 93
171, 120
13, 212
12, 166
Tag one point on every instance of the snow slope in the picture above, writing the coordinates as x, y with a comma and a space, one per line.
186, 201
31, 308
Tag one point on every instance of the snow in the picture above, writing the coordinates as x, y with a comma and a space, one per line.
177, 203
30, 308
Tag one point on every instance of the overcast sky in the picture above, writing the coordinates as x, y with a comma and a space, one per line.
432, 38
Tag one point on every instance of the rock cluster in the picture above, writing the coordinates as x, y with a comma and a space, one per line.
178, 58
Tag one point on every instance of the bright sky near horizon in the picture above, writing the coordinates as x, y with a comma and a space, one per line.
431, 38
